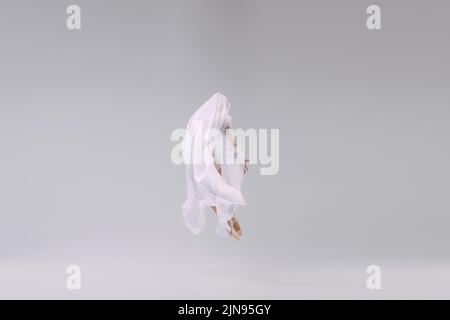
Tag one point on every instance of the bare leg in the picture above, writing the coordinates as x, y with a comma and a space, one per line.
233, 223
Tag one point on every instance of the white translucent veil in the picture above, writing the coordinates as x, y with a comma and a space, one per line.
205, 186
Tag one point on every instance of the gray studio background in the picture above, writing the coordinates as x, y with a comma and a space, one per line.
85, 170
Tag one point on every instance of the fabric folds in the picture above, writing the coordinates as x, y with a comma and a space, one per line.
214, 166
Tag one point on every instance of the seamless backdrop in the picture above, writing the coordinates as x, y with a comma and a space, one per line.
85, 171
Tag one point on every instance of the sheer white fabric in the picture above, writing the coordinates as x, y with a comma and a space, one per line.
206, 187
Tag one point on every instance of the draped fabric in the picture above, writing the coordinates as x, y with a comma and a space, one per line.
207, 148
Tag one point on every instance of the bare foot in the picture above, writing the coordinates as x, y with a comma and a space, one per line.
235, 228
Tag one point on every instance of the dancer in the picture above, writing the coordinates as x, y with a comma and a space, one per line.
214, 168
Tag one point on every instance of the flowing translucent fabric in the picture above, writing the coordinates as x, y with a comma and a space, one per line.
206, 148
